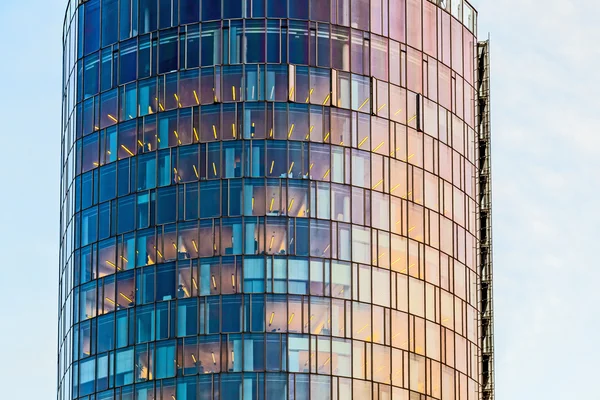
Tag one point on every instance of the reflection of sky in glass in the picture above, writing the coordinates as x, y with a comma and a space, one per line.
540, 237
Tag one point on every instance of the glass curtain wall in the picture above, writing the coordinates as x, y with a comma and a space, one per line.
269, 199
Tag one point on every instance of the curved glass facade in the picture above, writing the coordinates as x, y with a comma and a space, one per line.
269, 200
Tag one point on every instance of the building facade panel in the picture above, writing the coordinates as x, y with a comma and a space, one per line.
265, 199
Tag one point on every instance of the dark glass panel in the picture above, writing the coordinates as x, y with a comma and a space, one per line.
91, 38
148, 16
298, 42
211, 10
168, 47
232, 8
110, 18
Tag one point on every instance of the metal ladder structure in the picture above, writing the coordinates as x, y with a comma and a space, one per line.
486, 316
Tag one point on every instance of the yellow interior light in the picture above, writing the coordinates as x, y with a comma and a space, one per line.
291, 318
412, 228
363, 141
326, 249
196, 97
214, 168
272, 202
272, 240
382, 107
272, 165
124, 259
176, 97
291, 204
411, 119
174, 245
326, 173
233, 280
194, 358
214, 281
111, 301
213, 358
326, 137
195, 245
125, 297
161, 107
309, 94
291, 130
141, 144
112, 264
253, 204
378, 146
291, 91
233, 131
196, 135
127, 150
364, 103
196, 171
291, 167
233, 92
271, 319
377, 184
214, 131
327, 99
186, 291
232, 356
398, 112
112, 118
362, 329
327, 361
194, 283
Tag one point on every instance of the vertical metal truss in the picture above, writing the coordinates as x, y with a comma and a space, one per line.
486, 315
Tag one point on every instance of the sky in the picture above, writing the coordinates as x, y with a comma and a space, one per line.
546, 158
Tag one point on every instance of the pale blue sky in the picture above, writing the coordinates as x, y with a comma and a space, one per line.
546, 223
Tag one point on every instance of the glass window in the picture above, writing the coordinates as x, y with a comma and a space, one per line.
298, 41
91, 16
165, 359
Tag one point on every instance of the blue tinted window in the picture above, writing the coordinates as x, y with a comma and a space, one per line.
91, 75
167, 51
147, 16
258, 8
232, 8
126, 214
255, 41
298, 42
104, 221
190, 11
91, 39
277, 8
106, 334
128, 57
211, 10
211, 44
166, 205
110, 26
299, 9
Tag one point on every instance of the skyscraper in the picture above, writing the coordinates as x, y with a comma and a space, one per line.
273, 199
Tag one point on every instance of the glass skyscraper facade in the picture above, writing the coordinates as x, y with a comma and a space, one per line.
275, 200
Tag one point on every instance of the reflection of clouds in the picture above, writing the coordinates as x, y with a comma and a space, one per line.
546, 154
